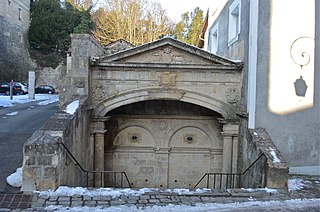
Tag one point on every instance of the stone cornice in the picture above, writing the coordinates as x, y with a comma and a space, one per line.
168, 41
100, 119
163, 66
229, 121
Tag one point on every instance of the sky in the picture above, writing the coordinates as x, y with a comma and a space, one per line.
175, 8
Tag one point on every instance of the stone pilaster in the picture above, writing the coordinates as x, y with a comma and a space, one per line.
99, 130
230, 146
235, 149
162, 160
227, 153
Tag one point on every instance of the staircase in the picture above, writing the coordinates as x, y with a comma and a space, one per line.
254, 177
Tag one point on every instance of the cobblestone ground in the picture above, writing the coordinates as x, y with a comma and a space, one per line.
311, 190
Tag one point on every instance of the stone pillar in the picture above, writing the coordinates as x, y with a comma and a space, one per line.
99, 130
99, 158
91, 158
31, 85
230, 149
227, 152
235, 149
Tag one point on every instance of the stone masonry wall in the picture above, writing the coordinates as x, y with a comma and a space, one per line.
46, 165
255, 143
14, 56
160, 156
75, 82
50, 76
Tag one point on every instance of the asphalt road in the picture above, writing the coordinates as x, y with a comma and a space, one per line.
14, 132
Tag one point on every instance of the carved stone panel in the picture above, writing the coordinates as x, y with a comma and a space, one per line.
99, 92
232, 95
167, 79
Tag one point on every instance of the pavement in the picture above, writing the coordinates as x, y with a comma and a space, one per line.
15, 130
279, 200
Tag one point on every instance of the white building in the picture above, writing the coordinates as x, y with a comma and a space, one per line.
278, 41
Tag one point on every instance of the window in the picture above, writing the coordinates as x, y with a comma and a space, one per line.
19, 15
214, 39
234, 22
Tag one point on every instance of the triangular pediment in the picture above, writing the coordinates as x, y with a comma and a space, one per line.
167, 51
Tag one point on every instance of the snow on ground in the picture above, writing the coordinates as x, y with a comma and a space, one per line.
15, 179
12, 113
72, 107
295, 203
268, 190
48, 98
296, 184
53, 99
293, 184
69, 191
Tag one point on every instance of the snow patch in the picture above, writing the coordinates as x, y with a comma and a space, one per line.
12, 113
296, 184
265, 205
72, 107
49, 101
187, 191
5, 101
15, 179
268, 190
68, 191
274, 155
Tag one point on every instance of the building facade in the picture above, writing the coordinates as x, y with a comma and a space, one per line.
164, 113
278, 41
14, 25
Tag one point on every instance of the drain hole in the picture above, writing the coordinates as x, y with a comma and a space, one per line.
146, 180
175, 181
135, 137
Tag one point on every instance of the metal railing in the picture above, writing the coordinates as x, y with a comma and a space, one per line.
105, 178
254, 176
220, 180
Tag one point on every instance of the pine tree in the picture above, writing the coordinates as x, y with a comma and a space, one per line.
189, 28
52, 23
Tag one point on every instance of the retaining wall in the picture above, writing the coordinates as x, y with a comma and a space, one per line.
46, 164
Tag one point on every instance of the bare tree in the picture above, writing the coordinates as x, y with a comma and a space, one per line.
82, 4
136, 21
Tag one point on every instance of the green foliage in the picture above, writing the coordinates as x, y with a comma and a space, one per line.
86, 24
51, 24
46, 58
181, 28
189, 28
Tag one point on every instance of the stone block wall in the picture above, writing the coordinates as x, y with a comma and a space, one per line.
50, 76
46, 165
75, 82
15, 61
16, 11
171, 152
271, 167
